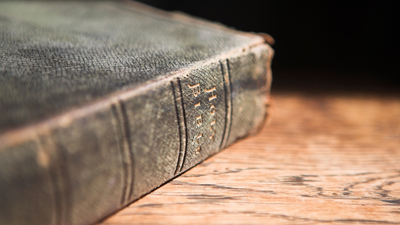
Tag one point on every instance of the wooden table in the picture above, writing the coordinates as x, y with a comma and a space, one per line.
324, 159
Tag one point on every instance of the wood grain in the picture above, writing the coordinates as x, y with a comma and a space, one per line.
331, 159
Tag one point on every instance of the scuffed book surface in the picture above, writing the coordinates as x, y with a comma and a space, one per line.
59, 55
103, 101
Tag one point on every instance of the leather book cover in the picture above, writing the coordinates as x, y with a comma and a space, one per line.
104, 101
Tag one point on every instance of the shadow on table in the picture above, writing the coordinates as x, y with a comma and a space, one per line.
319, 82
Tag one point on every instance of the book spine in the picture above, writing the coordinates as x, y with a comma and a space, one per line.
86, 167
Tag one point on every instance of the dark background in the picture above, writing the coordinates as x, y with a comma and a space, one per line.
320, 45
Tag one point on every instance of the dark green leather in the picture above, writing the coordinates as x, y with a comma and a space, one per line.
101, 102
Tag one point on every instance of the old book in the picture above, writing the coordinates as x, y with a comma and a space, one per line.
102, 102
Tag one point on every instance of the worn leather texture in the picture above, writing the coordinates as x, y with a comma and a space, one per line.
102, 102
58, 55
